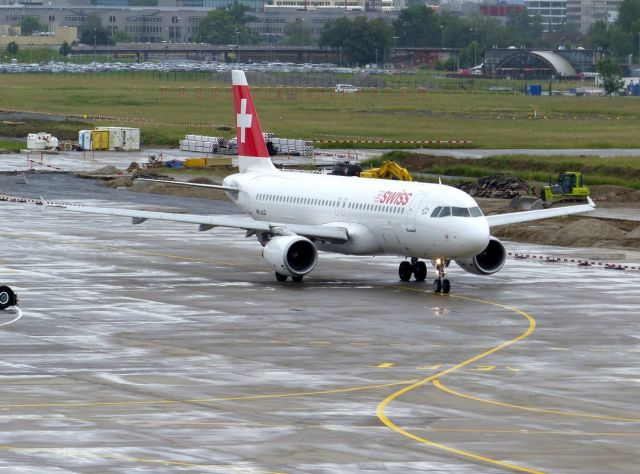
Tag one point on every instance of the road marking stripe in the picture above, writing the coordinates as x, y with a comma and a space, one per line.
380, 410
208, 400
450, 391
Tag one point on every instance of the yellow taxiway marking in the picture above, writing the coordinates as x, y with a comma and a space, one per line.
429, 367
208, 400
385, 365
382, 406
484, 368
439, 384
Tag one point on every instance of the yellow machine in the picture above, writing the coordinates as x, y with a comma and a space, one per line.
388, 170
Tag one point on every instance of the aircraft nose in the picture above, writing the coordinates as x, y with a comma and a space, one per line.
477, 236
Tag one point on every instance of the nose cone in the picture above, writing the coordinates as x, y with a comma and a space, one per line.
476, 236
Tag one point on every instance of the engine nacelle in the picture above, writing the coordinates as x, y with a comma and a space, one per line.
291, 255
489, 261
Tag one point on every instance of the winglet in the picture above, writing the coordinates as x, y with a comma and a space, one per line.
44, 203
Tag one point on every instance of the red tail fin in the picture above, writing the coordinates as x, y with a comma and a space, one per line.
252, 149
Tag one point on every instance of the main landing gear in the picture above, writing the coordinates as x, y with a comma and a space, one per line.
441, 284
418, 269
281, 277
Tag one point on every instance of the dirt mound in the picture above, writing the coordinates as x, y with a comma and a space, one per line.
503, 186
607, 193
202, 180
586, 232
119, 182
568, 232
108, 170
634, 234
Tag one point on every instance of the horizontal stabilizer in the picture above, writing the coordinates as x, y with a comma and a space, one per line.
193, 185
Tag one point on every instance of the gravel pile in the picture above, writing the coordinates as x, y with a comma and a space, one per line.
501, 186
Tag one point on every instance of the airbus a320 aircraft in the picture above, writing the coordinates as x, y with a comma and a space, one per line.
296, 214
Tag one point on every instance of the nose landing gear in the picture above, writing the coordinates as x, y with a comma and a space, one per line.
7, 297
416, 267
441, 284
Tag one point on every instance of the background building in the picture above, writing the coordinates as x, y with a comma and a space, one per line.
178, 24
586, 12
552, 12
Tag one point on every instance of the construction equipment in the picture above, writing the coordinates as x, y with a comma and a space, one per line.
569, 187
388, 170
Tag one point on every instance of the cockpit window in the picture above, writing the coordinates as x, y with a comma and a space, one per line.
460, 212
445, 211
475, 211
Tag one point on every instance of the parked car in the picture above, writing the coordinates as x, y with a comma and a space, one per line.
346, 88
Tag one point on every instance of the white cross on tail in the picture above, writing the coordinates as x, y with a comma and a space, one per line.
243, 119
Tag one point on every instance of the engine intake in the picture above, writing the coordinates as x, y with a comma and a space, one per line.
291, 255
489, 261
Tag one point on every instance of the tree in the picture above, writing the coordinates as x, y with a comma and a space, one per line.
65, 50
227, 25
522, 29
417, 26
92, 31
610, 75
361, 41
120, 37
12, 48
30, 25
297, 33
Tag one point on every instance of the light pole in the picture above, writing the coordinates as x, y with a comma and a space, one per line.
475, 48
95, 44
237, 46
441, 36
395, 44
302, 39
340, 54
376, 57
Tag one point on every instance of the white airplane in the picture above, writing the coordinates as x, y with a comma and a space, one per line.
296, 214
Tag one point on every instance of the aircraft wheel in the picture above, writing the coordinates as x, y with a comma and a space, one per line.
405, 271
281, 277
437, 285
297, 278
420, 271
7, 297
446, 286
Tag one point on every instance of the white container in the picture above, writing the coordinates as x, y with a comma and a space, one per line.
123, 138
84, 139
41, 141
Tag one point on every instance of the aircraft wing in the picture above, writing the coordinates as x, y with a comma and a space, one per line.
516, 217
206, 222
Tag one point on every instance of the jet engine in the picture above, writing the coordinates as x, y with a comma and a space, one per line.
290, 255
489, 261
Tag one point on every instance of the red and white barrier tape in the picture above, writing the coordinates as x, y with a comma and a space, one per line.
577, 261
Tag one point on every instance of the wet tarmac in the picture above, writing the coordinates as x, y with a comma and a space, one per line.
157, 348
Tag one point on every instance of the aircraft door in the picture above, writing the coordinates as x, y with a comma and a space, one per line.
341, 204
416, 207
